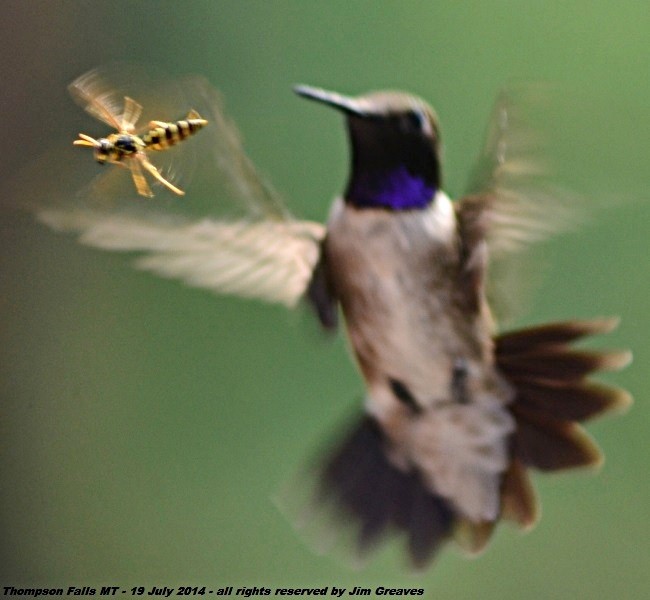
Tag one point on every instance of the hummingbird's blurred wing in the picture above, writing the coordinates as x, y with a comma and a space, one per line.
512, 202
230, 234
269, 260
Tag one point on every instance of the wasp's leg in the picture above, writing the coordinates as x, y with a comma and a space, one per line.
155, 173
138, 179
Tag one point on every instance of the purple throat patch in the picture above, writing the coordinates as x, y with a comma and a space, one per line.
398, 189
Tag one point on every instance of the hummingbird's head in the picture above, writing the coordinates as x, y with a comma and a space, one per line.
395, 148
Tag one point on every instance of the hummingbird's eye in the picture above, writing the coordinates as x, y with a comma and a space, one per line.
417, 121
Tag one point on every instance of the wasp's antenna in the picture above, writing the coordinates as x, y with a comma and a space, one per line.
86, 140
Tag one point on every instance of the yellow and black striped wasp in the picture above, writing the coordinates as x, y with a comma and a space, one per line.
125, 147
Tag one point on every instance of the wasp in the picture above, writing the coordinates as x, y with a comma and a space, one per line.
125, 147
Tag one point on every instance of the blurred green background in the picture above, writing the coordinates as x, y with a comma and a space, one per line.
144, 426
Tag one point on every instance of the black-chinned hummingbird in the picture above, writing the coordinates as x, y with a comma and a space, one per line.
456, 413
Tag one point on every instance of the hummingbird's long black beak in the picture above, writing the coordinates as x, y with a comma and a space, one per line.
350, 106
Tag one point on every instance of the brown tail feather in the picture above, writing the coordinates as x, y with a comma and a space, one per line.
553, 333
550, 444
473, 537
559, 363
571, 401
552, 396
518, 502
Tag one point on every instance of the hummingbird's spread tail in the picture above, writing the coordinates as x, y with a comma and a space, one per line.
360, 492
553, 395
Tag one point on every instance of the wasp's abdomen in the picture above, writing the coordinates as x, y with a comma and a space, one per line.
166, 135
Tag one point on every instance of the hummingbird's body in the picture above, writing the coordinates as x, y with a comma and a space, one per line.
425, 350
455, 414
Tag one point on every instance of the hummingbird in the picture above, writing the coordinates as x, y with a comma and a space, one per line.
457, 413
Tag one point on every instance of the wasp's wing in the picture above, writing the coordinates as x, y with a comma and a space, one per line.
512, 202
231, 232
98, 98
131, 114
